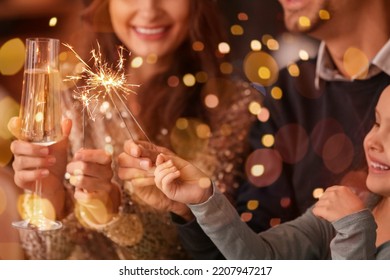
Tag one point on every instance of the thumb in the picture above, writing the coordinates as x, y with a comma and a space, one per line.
66, 127
14, 126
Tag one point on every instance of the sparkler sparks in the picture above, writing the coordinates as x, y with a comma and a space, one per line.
101, 81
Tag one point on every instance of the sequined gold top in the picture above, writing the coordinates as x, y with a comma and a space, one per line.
140, 231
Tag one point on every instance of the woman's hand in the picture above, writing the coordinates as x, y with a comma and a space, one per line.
337, 202
47, 163
91, 174
136, 167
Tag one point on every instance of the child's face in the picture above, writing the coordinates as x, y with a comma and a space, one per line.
377, 148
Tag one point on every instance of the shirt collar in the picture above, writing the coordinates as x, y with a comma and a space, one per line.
327, 70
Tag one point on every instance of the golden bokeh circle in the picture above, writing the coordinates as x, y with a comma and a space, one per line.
260, 67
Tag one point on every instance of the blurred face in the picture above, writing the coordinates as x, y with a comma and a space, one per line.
316, 16
377, 148
150, 26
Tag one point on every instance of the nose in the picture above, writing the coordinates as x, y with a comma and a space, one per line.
149, 8
372, 141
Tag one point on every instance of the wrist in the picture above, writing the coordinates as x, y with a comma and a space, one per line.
183, 211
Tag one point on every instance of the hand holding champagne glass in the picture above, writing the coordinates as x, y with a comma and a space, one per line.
40, 113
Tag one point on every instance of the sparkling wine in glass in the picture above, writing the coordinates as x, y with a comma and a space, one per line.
40, 114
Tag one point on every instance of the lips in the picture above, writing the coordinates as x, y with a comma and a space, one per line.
150, 31
379, 166
292, 4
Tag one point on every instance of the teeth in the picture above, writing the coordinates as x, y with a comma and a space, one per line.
379, 166
149, 31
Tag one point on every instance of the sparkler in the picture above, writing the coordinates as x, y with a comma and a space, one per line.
102, 81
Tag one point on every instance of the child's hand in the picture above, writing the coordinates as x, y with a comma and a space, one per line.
336, 203
181, 181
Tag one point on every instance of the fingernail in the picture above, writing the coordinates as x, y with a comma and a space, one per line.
77, 156
144, 164
134, 152
44, 151
45, 173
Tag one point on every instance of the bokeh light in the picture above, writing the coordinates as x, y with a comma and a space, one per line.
285, 202
273, 44
12, 57
237, 30
224, 47
254, 108
304, 55
276, 93
293, 70
53, 22
151, 58
252, 205
242, 16
261, 68
338, 153
317, 192
272, 165
257, 170
189, 80
189, 136
324, 14
304, 22
246, 216
268, 140
137, 62
201, 77
292, 142
356, 63
8, 108
198, 46
173, 81
27, 204
256, 45
264, 115
211, 101
226, 68
274, 222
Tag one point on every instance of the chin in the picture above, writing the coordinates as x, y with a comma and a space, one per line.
379, 186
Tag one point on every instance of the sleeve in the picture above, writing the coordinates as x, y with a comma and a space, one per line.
356, 237
195, 241
304, 238
229, 148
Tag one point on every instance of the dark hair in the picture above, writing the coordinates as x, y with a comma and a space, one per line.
170, 103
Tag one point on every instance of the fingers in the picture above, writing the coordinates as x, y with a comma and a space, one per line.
144, 149
19, 147
25, 162
165, 174
128, 174
93, 156
26, 179
127, 161
91, 170
103, 172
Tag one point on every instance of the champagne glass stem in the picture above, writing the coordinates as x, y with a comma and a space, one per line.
38, 212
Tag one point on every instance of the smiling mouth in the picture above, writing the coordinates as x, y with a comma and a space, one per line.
149, 31
379, 167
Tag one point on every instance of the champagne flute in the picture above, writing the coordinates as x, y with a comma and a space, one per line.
40, 114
